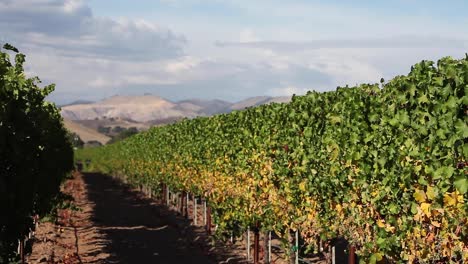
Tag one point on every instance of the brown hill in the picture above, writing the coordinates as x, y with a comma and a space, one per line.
138, 108
85, 133
149, 109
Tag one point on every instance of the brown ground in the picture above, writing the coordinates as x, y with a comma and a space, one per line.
116, 224
75, 238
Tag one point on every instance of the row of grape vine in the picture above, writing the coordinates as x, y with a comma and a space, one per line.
381, 165
35, 152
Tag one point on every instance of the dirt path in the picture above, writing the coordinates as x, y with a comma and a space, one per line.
137, 229
117, 224
114, 225
74, 238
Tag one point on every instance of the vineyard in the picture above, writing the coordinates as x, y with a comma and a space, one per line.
35, 153
381, 165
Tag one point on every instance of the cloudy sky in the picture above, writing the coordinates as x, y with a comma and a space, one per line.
226, 49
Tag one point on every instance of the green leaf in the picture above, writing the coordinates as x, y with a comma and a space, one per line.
451, 103
423, 99
461, 129
308, 132
443, 172
414, 208
393, 208
8, 46
461, 183
439, 81
375, 258
381, 241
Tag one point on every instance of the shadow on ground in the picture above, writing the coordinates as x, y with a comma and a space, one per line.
137, 230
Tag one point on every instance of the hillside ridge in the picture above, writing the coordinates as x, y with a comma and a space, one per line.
152, 109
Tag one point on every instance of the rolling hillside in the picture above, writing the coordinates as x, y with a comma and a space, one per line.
153, 109
85, 133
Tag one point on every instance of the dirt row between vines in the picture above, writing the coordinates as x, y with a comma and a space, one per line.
74, 238
113, 223
116, 224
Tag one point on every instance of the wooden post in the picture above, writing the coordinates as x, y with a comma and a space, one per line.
208, 220
290, 249
22, 251
181, 205
248, 243
333, 255
352, 257
269, 247
256, 245
297, 246
167, 195
186, 206
204, 212
195, 217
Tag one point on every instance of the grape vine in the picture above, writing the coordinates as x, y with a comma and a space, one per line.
35, 152
382, 165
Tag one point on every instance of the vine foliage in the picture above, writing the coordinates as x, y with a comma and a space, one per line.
382, 165
35, 152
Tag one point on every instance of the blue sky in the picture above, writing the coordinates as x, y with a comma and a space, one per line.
226, 49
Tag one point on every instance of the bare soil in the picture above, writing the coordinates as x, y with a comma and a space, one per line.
117, 224
74, 238
114, 224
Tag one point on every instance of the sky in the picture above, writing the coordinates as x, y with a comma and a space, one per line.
226, 49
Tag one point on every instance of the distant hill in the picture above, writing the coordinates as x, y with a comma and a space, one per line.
87, 118
77, 102
259, 100
138, 108
205, 107
85, 133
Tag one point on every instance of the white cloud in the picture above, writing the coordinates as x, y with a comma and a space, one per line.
101, 82
71, 6
84, 54
184, 64
247, 35
344, 66
288, 91
70, 29
395, 42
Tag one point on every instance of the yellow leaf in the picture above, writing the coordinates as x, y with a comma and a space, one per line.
380, 223
431, 192
302, 186
459, 197
437, 212
419, 195
449, 199
338, 208
389, 228
425, 208
436, 224
417, 168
